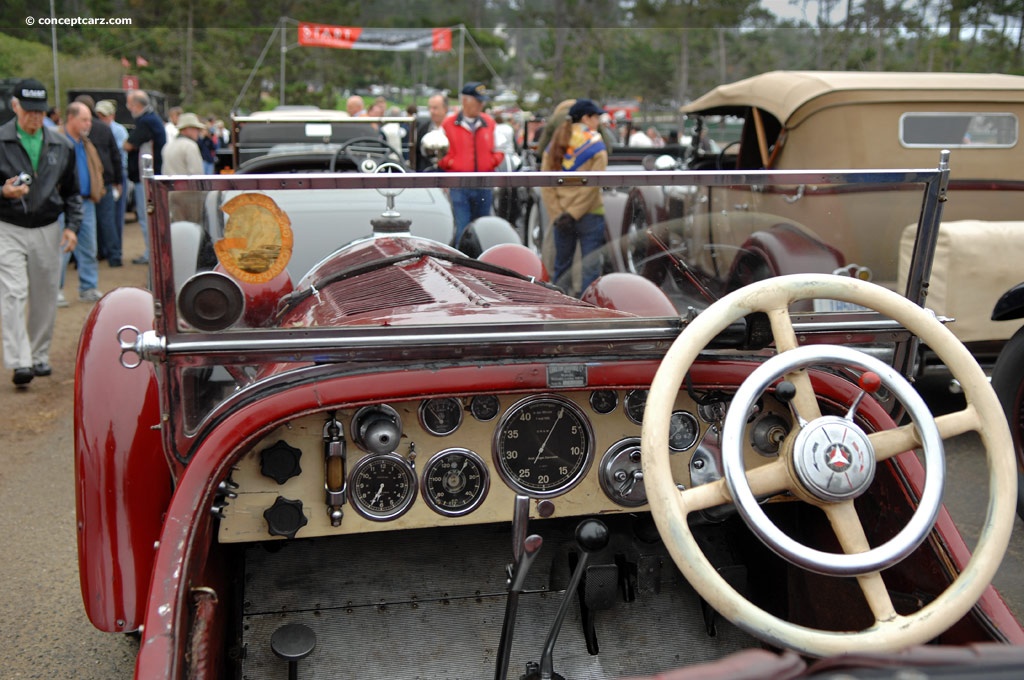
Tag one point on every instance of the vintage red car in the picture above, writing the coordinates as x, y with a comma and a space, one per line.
405, 462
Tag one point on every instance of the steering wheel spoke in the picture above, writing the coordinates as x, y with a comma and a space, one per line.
889, 443
850, 532
804, 403
765, 480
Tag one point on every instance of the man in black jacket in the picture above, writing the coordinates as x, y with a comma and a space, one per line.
148, 137
39, 167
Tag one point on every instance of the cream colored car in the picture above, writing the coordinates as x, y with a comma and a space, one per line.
798, 120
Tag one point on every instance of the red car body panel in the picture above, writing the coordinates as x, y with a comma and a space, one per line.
123, 480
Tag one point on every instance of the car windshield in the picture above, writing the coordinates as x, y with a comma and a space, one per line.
322, 264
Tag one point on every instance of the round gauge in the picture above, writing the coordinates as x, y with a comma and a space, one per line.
383, 486
455, 482
441, 416
683, 429
712, 411
621, 476
636, 401
604, 401
543, 446
484, 406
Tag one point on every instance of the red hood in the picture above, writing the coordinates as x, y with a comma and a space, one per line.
407, 281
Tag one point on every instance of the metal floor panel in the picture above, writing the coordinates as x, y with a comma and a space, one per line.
435, 611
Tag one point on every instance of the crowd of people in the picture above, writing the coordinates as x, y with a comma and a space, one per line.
66, 180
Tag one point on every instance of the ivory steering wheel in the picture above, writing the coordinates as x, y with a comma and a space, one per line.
791, 471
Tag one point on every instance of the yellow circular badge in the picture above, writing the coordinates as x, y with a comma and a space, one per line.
257, 243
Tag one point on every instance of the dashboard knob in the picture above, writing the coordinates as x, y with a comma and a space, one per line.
285, 517
785, 391
280, 462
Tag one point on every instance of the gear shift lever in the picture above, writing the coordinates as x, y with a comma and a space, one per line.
592, 537
524, 552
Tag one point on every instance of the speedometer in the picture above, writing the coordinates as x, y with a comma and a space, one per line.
543, 446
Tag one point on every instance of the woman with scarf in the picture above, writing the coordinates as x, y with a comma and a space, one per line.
578, 212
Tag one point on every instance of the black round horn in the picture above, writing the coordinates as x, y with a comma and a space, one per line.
211, 301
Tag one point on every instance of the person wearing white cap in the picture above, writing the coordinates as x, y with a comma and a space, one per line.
181, 155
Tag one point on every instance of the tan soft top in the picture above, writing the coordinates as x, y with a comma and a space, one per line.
784, 93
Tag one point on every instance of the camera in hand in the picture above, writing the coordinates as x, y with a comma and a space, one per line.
22, 178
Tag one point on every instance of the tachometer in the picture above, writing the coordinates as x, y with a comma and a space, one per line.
383, 486
455, 482
543, 446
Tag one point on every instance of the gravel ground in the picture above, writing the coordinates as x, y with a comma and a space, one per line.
42, 620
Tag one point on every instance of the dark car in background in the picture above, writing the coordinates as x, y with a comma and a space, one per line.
256, 134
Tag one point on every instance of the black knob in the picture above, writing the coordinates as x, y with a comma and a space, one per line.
285, 517
785, 391
592, 535
293, 642
280, 462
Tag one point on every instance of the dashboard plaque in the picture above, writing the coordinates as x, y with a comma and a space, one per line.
563, 376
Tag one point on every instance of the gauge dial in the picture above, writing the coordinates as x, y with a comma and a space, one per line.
543, 446
441, 416
636, 401
604, 401
383, 486
683, 430
484, 407
712, 411
455, 482
621, 476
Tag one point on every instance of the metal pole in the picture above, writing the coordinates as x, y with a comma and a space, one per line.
462, 54
284, 50
252, 74
56, 73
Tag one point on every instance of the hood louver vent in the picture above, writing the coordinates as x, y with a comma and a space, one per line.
378, 291
427, 282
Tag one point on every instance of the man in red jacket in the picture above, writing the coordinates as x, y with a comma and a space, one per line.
470, 135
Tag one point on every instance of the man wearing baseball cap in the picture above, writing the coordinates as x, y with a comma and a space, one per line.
40, 181
470, 135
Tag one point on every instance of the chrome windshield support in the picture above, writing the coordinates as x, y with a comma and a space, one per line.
146, 346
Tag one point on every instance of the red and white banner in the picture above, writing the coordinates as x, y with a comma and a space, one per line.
380, 39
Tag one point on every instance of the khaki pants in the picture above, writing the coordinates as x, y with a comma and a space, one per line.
29, 272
